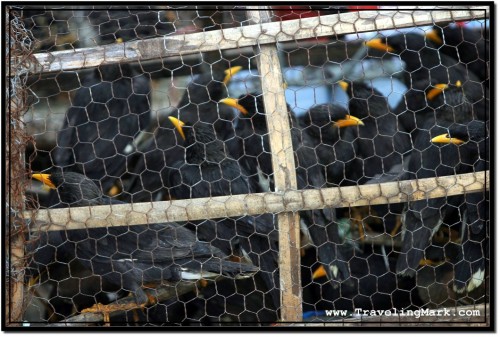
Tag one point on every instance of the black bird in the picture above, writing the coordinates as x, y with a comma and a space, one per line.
382, 142
425, 102
423, 59
423, 218
200, 102
110, 108
159, 147
376, 285
468, 45
253, 151
207, 171
250, 146
470, 265
326, 129
135, 256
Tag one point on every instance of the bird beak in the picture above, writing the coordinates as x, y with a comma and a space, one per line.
348, 121
445, 139
458, 83
178, 125
320, 272
434, 37
233, 102
380, 45
45, 179
113, 191
344, 85
230, 73
436, 91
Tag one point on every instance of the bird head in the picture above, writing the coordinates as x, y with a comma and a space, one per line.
72, 187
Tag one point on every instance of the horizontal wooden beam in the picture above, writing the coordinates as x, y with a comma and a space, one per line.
258, 203
231, 38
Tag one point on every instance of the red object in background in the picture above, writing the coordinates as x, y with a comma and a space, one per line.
361, 8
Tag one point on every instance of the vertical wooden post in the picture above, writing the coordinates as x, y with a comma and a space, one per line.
15, 170
277, 116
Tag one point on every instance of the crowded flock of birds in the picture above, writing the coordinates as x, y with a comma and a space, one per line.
111, 151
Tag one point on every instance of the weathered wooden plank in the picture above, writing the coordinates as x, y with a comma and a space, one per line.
230, 38
258, 203
280, 141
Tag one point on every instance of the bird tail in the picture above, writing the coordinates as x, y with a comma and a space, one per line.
470, 269
215, 267
416, 239
263, 253
330, 245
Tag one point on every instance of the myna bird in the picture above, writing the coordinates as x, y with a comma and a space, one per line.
110, 108
426, 101
326, 129
465, 44
200, 101
450, 150
205, 170
381, 143
250, 145
376, 285
470, 262
423, 59
321, 225
134, 257
160, 146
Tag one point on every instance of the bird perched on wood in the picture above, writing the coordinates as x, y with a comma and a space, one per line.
206, 171
110, 108
135, 256
447, 149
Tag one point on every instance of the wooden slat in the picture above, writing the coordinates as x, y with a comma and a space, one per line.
15, 106
258, 203
230, 38
280, 141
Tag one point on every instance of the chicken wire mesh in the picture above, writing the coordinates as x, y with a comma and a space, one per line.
328, 106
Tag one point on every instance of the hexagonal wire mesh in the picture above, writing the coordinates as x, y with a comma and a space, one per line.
228, 162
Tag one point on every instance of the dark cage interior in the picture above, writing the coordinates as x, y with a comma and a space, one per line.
241, 166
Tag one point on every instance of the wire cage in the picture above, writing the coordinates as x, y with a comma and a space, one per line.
247, 166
